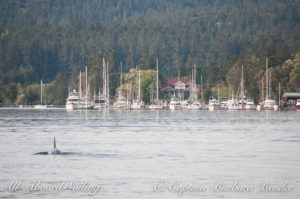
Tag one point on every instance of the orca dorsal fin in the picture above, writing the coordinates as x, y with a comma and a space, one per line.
54, 143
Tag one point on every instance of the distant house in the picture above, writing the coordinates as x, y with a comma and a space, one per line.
181, 87
290, 99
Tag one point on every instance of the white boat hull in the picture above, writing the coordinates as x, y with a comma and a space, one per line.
233, 108
137, 107
40, 106
250, 107
258, 108
213, 107
156, 107
120, 106
71, 106
195, 106
175, 107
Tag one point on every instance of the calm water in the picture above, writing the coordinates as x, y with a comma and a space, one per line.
149, 154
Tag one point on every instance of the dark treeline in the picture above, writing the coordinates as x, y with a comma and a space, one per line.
54, 39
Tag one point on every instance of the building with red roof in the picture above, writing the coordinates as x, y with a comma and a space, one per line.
182, 87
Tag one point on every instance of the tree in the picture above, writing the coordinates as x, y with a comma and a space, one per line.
294, 82
32, 93
147, 82
11, 92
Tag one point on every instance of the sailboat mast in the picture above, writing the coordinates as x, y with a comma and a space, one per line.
136, 82
104, 79
130, 94
267, 80
41, 92
99, 93
127, 95
151, 94
270, 80
80, 92
121, 75
89, 84
86, 86
157, 80
279, 85
218, 94
190, 98
179, 85
262, 89
202, 92
192, 85
195, 72
242, 87
139, 85
107, 82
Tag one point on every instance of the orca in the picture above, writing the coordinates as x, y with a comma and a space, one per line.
55, 151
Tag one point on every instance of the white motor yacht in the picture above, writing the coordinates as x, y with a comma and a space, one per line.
175, 103
73, 100
250, 104
213, 104
233, 104
195, 106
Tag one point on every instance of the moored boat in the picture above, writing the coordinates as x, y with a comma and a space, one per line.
233, 104
175, 103
86, 103
157, 105
121, 103
213, 104
184, 104
138, 104
223, 103
73, 100
195, 106
250, 104
41, 105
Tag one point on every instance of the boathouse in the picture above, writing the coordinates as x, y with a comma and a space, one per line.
290, 99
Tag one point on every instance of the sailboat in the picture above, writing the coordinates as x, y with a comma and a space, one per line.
269, 103
122, 102
41, 105
232, 102
195, 105
240, 102
156, 105
86, 102
138, 104
103, 99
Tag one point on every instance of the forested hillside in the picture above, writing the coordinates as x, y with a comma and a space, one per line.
53, 39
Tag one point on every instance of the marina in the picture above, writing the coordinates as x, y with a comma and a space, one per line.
177, 89
127, 152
